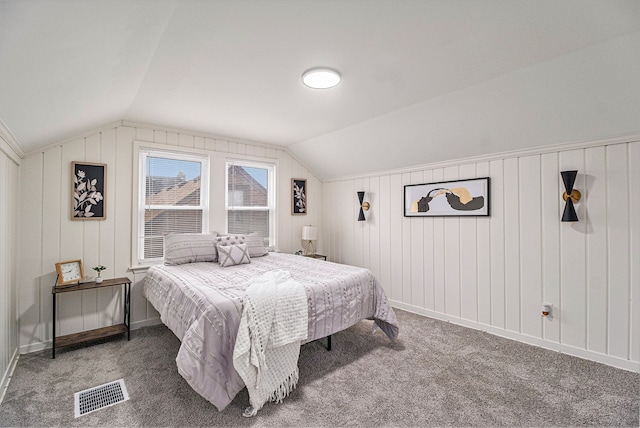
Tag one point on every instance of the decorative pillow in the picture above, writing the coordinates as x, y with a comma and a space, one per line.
181, 248
229, 239
255, 242
231, 255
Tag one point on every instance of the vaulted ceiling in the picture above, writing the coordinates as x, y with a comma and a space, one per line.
423, 80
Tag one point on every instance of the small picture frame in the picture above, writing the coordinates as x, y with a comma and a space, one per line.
299, 197
88, 188
448, 198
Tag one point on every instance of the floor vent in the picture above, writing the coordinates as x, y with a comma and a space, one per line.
99, 397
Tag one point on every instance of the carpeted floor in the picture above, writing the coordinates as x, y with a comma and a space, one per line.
436, 374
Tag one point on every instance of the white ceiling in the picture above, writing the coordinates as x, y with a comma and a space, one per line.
232, 68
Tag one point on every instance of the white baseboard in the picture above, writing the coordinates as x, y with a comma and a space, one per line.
6, 377
609, 360
145, 323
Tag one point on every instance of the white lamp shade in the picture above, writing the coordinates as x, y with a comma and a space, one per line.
309, 233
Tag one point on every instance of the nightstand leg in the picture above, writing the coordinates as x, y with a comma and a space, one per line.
127, 312
53, 347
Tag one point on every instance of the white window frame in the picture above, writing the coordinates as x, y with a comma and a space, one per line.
147, 151
271, 168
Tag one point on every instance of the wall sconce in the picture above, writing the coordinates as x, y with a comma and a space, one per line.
364, 206
571, 195
310, 233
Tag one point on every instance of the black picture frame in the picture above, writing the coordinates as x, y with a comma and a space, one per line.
299, 196
456, 198
88, 191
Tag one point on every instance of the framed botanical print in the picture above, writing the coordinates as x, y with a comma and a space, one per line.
88, 191
298, 196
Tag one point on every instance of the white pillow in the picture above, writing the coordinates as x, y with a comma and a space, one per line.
181, 248
231, 255
255, 242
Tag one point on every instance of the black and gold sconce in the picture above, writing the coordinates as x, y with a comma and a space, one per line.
571, 195
364, 206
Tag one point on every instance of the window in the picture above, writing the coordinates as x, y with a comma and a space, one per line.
173, 198
250, 198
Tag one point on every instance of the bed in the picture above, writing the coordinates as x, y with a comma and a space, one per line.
202, 304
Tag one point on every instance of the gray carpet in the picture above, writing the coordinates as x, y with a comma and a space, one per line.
437, 374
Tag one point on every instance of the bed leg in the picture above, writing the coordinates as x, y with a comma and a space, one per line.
329, 343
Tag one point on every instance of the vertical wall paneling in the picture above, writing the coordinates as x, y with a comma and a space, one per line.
5, 286
406, 251
71, 242
285, 228
483, 253
9, 180
144, 134
512, 244
172, 138
595, 200
618, 215
530, 245
373, 221
91, 243
31, 230
452, 255
396, 200
573, 263
439, 254
51, 233
107, 304
634, 275
384, 222
159, 137
416, 231
496, 169
468, 258
551, 213
222, 146
185, 140
124, 215
428, 251
495, 272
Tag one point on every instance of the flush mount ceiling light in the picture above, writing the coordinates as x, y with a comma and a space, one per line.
321, 78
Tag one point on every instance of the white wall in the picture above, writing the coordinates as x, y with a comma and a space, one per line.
493, 273
49, 236
9, 181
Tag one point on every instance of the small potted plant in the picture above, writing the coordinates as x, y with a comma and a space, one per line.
99, 269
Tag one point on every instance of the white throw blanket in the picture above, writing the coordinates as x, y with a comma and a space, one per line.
273, 324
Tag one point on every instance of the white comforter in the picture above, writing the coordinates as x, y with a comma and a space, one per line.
202, 304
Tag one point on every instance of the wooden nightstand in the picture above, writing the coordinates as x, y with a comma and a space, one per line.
84, 336
316, 256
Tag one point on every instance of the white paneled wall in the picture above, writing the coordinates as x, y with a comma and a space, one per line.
49, 236
9, 179
493, 273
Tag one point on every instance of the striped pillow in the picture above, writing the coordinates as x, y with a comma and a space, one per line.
181, 248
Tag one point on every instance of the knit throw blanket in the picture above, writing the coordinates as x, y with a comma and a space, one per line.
273, 324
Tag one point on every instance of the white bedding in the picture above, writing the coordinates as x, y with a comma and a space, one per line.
202, 304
